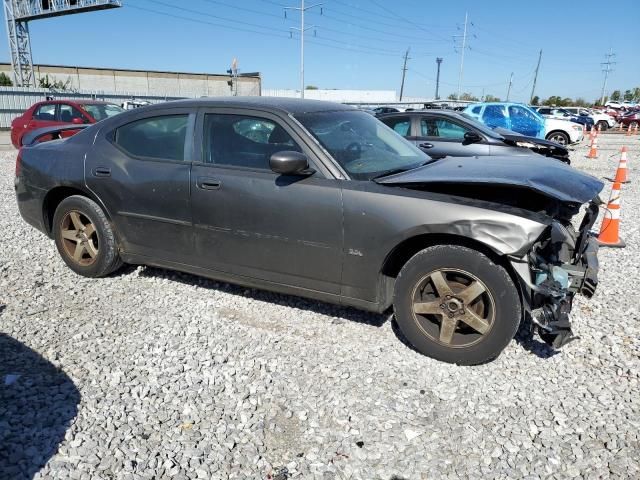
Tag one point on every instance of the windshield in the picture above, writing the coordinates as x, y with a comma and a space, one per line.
100, 111
480, 126
364, 147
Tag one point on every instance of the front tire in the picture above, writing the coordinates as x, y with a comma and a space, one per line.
559, 137
454, 304
84, 237
603, 125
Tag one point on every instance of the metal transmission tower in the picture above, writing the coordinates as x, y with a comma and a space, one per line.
464, 39
302, 9
19, 12
606, 69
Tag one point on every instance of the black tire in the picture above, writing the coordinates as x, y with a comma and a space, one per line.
98, 251
500, 294
603, 125
558, 137
633, 124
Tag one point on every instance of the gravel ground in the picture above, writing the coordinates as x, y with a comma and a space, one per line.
153, 374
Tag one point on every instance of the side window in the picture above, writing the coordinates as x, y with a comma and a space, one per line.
243, 141
476, 110
68, 114
441, 128
401, 125
154, 137
494, 116
45, 112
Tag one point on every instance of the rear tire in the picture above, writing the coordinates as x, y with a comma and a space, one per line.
633, 124
558, 137
454, 304
603, 125
84, 237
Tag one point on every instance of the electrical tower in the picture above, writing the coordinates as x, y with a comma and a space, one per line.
302, 9
606, 69
18, 13
464, 39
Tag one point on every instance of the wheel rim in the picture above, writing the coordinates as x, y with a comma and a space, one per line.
453, 307
79, 238
558, 139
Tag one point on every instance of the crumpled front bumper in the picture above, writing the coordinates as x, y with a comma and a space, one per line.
552, 284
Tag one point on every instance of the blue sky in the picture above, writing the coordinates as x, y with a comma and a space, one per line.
359, 43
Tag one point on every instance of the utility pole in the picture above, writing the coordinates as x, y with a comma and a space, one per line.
535, 77
404, 72
302, 9
606, 70
510, 83
438, 61
464, 46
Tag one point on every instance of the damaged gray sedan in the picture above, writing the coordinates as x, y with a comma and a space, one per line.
323, 201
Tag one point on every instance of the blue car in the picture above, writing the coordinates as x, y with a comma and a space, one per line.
510, 116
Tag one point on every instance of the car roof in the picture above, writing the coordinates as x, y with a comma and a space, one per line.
427, 111
283, 104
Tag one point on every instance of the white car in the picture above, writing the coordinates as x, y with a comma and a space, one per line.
563, 132
600, 119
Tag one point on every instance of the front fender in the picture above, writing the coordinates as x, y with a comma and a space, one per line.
379, 218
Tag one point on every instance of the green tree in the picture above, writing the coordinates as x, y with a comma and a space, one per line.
615, 96
535, 100
45, 82
580, 102
311, 87
491, 98
468, 97
452, 96
636, 94
628, 95
5, 81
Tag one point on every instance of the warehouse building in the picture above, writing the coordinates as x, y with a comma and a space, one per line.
144, 82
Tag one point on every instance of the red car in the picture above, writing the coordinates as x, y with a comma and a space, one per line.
631, 119
60, 112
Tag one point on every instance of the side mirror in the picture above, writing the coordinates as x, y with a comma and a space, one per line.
471, 137
77, 121
289, 162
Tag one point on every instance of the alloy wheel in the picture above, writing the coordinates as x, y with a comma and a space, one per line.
558, 138
453, 307
79, 238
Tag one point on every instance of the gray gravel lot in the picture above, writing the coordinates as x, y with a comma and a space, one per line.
154, 374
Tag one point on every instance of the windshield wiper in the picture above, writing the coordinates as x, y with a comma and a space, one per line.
393, 171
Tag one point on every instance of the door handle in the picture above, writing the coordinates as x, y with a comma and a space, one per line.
208, 183
426, 145
102, 172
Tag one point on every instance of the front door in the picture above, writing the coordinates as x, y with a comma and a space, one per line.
252, 222
141, 172
439, 136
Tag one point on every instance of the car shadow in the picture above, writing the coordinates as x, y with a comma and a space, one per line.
339, 312
38, 402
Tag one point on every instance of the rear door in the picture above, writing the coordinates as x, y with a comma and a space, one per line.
141, 170
252, 222
440, 136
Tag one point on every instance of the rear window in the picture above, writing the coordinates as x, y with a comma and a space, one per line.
101, 111
155, 137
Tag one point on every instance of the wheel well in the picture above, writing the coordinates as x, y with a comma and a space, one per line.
401, 254
557, 131
53, 198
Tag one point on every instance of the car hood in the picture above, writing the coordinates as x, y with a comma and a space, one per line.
541, 174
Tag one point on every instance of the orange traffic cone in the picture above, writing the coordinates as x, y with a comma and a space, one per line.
610, 228
629, 130
621, 127
635, 129
621, 172
593, 148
